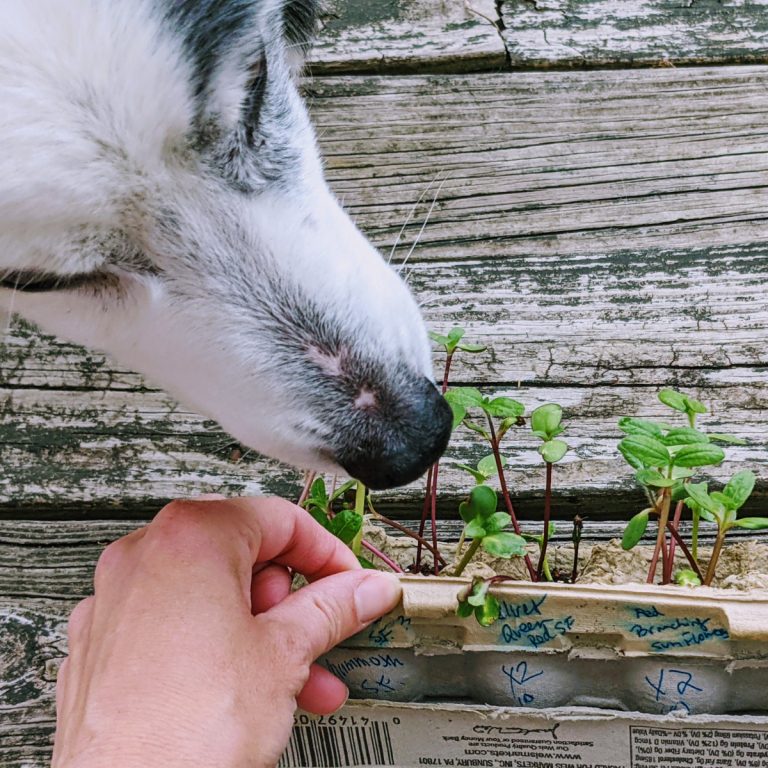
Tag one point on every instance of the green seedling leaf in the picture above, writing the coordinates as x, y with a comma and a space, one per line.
482, 503
632, 426
472, 349
488, 613
654, 478
450, 341
684, 436
459, 414
673, 399
698, 492
721, 437
504, 408
476, 428
739, 488
685, 577
504, 545
366, 563
645, 451
443, 341
694, 406
479, 593
342, 489
467, 397
682, 473
752, 523
699, 455
497, 522
346, 525
480, 477
465, 609
320, 515
553, 450
487, 465
475, 529
317, 492
635, 529
545, 420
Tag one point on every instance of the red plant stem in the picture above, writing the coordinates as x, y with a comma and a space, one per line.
676, 522
388, 560
408, 532
687, 552
433, 516
663, 519
430, 499
505, 493
712, 567
424, 513
309, 478
547, 512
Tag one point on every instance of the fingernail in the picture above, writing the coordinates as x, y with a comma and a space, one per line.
376, 594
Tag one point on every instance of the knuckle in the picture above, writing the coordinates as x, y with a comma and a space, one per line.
109, 561
79, 619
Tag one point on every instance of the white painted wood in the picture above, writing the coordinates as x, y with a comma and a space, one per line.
574, 33
367, 36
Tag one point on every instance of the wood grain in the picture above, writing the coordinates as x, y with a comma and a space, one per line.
601, 33
604, 232
376, 36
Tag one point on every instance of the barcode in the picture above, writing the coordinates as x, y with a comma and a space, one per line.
327, 746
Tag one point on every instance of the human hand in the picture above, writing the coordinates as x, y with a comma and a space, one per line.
194, 652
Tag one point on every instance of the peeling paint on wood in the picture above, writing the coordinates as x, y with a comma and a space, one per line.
604, 232
603, 33
375, 36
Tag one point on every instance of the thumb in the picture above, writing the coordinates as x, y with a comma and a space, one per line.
322, 614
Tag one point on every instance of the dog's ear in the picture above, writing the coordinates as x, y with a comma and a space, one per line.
300, 20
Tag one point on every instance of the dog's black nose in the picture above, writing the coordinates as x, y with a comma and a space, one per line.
402, 440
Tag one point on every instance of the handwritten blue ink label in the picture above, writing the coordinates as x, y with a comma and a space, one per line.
380, 660
520, 679
384, 631
526, 624
664, 633
674, 690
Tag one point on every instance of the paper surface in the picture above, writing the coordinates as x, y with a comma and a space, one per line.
366, 734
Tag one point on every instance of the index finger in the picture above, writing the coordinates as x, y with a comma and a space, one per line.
270, 529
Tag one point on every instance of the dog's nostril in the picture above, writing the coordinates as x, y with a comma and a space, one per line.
405, 447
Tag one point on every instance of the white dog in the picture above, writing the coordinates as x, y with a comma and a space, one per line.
162, 199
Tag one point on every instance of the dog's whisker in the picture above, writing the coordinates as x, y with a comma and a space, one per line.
409, 217
423, 227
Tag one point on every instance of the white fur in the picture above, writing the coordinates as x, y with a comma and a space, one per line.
96, 110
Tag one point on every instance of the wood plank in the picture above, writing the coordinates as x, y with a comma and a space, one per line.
604, 231
377, 36
601, 33
44, 570
73, 454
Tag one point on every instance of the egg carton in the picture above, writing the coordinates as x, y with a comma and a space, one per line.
635, 648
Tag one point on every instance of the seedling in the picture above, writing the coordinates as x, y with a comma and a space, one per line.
347, 524
481, 603
546, 425
509, 412
485, 527
721, 508
665, 458
450, 343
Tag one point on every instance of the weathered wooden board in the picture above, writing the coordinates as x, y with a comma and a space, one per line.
374, 36
44, 570
604, 232
600, 33
113, 453
547, 242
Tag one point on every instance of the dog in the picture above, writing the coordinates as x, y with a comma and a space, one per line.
162, 199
